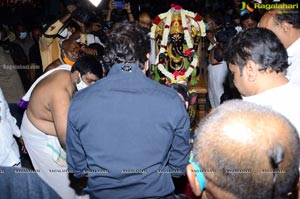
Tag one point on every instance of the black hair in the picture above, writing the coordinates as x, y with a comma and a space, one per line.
181, 89
128, 43
255, 16
118, 15
291, 16
259, 45
100, 52
88, 64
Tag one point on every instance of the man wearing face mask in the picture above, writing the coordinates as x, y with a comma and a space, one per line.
70, 50
18, 49
10, 81
51, 39
44, 122
23, 39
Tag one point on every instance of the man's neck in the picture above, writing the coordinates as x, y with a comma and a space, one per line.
73, 88
294, 36
270, 81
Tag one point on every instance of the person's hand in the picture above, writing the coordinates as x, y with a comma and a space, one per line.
80, 24
111, 5
211, 37
127, 7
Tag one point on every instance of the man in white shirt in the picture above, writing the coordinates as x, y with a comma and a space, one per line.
9, 150
258, 62
286, 25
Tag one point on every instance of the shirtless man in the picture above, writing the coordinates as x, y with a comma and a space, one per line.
44, 122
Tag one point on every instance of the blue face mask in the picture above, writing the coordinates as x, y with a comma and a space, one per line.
199, 174
23, 35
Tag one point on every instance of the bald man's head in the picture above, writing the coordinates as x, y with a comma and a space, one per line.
70, 49
144, 20
253, 151
284, 23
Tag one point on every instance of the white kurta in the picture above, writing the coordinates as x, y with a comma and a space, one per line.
9, 150
284, 99
293, 71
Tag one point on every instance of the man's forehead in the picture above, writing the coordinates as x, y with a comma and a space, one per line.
145, 18
74, 44
267, 20
91, 76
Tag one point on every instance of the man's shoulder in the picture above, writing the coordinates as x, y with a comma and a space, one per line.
56, 80
108, 84
65, 73
285, 94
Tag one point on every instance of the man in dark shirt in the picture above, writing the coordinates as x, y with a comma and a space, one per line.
127, 133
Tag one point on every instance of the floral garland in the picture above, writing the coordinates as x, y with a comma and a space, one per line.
196, 22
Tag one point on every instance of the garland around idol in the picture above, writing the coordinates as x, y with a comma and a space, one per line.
197, 22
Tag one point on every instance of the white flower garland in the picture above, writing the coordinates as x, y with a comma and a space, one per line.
187, 37
188, 40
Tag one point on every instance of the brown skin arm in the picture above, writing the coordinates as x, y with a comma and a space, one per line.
59, 106
75, 35
111, 7
129, 13
210, 36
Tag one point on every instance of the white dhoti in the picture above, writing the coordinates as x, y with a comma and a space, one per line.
48, 159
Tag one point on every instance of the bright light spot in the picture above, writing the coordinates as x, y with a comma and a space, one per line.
95, 2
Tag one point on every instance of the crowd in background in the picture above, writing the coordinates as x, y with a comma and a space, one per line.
62, 47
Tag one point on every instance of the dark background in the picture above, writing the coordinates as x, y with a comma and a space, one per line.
41, 11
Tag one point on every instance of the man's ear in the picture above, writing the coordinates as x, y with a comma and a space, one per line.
146, 64
286, 26
251, 70
75, 76
190, 171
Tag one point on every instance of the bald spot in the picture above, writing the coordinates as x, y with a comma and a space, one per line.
66, 44
268, 21
242, 138
145, 20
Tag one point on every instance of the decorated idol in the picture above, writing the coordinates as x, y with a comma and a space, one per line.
177, 35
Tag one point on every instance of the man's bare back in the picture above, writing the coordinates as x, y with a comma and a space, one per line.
49, 104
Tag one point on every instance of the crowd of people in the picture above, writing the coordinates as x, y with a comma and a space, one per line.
82, 117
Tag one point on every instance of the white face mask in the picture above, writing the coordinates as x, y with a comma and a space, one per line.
81, 85
23, 35
65, 33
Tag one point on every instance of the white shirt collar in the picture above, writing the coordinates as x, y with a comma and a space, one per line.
294, 48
